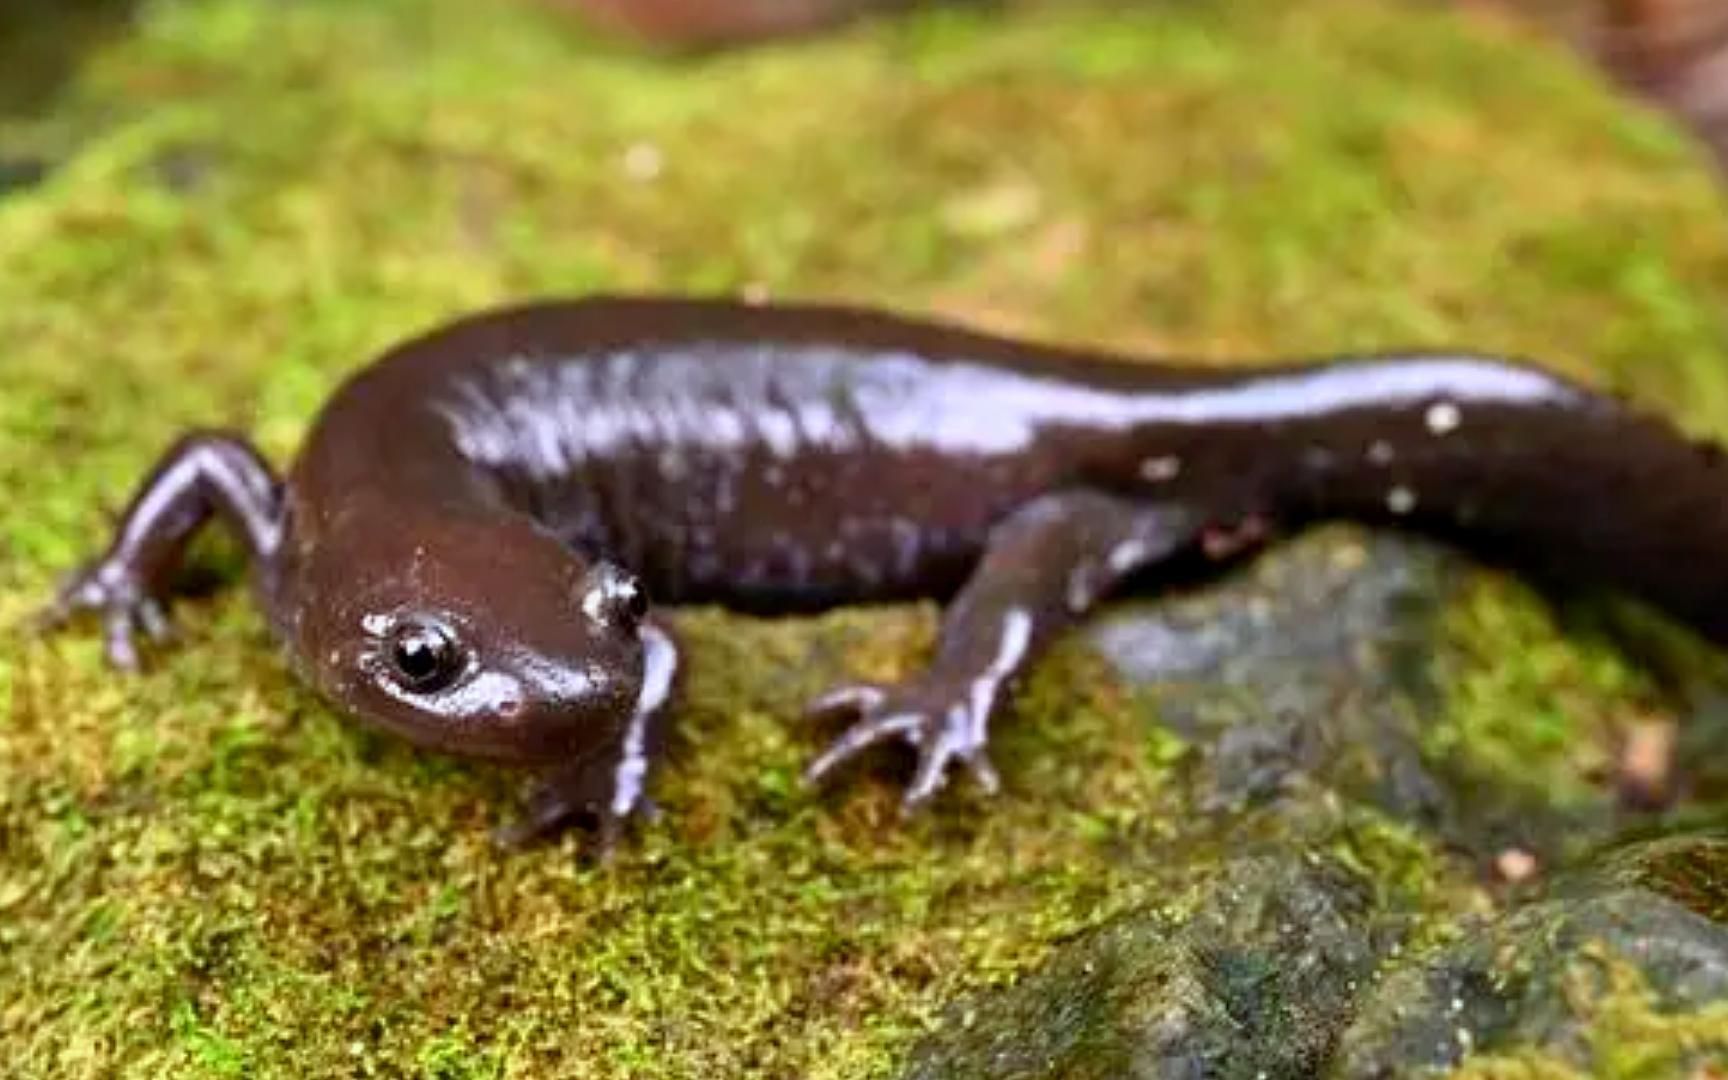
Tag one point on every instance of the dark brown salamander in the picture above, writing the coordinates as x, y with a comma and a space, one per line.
464, 551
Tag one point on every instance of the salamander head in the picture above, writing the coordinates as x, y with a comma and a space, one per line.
485, 638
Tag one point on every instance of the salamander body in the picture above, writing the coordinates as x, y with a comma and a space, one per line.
466, 549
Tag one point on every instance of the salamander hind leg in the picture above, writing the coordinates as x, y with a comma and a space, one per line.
1043, 567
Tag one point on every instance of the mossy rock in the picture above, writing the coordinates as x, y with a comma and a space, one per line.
1256, 980
204, 871
1617, 973
1286, 966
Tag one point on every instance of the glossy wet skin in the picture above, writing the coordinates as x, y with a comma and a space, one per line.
465, 548
470, 636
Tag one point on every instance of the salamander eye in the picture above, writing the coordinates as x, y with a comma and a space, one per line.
632, 600
613, 595
425, 656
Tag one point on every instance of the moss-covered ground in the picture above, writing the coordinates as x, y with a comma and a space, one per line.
204, 872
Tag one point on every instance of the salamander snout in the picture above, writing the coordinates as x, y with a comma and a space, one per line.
502, 645
453, 681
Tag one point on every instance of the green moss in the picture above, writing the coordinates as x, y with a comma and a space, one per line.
1631, 1036
205, 872
1404, 868
1528, 709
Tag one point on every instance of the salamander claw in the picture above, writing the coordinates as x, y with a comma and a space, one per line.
118, 628
583, 792
939, 724
122, 600
855, 698
933, 763
865, 733
153, 619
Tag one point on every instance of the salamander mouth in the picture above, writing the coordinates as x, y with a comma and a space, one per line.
500, 738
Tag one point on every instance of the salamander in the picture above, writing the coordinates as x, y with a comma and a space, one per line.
465, 549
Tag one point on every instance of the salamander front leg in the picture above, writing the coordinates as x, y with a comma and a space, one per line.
1043, 568
612, 786
202, 475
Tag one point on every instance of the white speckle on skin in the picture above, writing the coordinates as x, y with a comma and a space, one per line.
1080, 590
1443, 417
1400, 500
1126, 555
1161, 469
672, 466
644, 162
1380, 452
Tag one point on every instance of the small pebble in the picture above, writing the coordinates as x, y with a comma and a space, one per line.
644, 162
1515, 865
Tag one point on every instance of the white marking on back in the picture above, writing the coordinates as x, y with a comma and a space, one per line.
1443, 417
547, 417
1162, 469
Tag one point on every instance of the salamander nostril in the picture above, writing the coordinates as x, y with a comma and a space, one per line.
509, 708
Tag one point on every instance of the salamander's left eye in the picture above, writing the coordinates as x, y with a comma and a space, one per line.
424, 656
632, 600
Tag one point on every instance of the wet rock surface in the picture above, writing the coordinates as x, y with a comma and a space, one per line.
1257, 981
1644, 925
1287, 967
1316, 664
1310, 663
1304, 686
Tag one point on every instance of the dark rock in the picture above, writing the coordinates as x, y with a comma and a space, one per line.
1256, 981
1315, 663
1532, 979
1304, 684
1284, 966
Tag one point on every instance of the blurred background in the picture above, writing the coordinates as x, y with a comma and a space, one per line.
1675, 52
